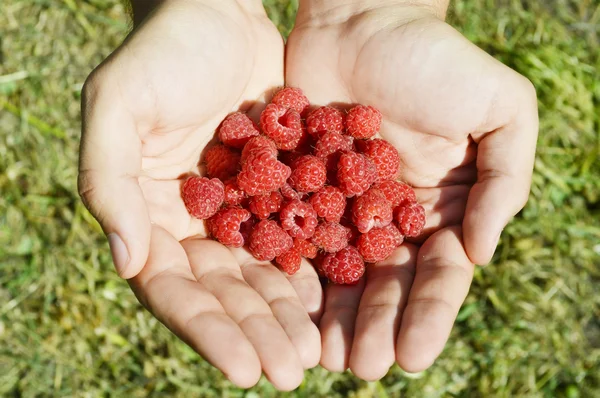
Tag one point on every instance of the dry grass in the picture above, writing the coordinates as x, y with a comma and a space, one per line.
70, 327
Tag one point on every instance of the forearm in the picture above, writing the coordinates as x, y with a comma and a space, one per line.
338, 10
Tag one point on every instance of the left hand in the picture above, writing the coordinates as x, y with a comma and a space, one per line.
465, 126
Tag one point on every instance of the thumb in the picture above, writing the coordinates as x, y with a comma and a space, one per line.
109, 163
505, 157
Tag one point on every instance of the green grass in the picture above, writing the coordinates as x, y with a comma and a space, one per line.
70, 327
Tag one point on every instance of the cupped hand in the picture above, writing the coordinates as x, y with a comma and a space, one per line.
465, 126
148, 112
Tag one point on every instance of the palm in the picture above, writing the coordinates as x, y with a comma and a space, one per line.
182, 95
174, 80
433, 98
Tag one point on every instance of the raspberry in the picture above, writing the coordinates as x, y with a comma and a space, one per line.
371, 210
329, 203
202, 197
308, 174
377, 244
363, 121
331, 237
355, 173
343, 267
263, 205
330, 147
225, 226
221, 162
384, 155
305, 248
410, 218
299, 219
331, 143
397, 193
233, 194
290, 261
258, 142
292, 98
325, 119
237, 129
268, 240
262, 173
289, 193
282, 125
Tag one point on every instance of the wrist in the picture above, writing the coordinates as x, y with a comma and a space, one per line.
141, 8
322, 12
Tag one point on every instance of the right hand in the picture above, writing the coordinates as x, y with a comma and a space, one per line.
148, 111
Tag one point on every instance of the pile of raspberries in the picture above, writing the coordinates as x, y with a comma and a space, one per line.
306, 184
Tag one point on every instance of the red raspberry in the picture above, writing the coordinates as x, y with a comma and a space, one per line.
290, 261
221, 162
371, 210
225, 226
325, 119
305, 248
237, 129
308, 174
329, 203
268, 240
363, 121
377, 244
355, 173
233, 194
202, 197
331, 237
289, 193
282, 125
263, 205
256, 143
331, 143
292, 98
343, 267
299, 219
262, 173
411, 219
397, 193
384, 155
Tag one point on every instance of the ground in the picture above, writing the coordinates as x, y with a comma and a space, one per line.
70, 327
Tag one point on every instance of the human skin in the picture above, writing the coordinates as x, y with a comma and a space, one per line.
465, 126
149, 110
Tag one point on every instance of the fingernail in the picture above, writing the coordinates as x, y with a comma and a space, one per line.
119, 252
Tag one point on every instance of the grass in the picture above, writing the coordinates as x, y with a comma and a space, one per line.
70, 327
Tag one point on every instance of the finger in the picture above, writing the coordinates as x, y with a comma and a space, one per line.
167, 287
285, 304
505, 164
442, 280
383, 300
337, 324
308, 287
215, 267
109, 164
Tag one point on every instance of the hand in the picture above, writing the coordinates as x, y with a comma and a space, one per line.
148, 112
465, 126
